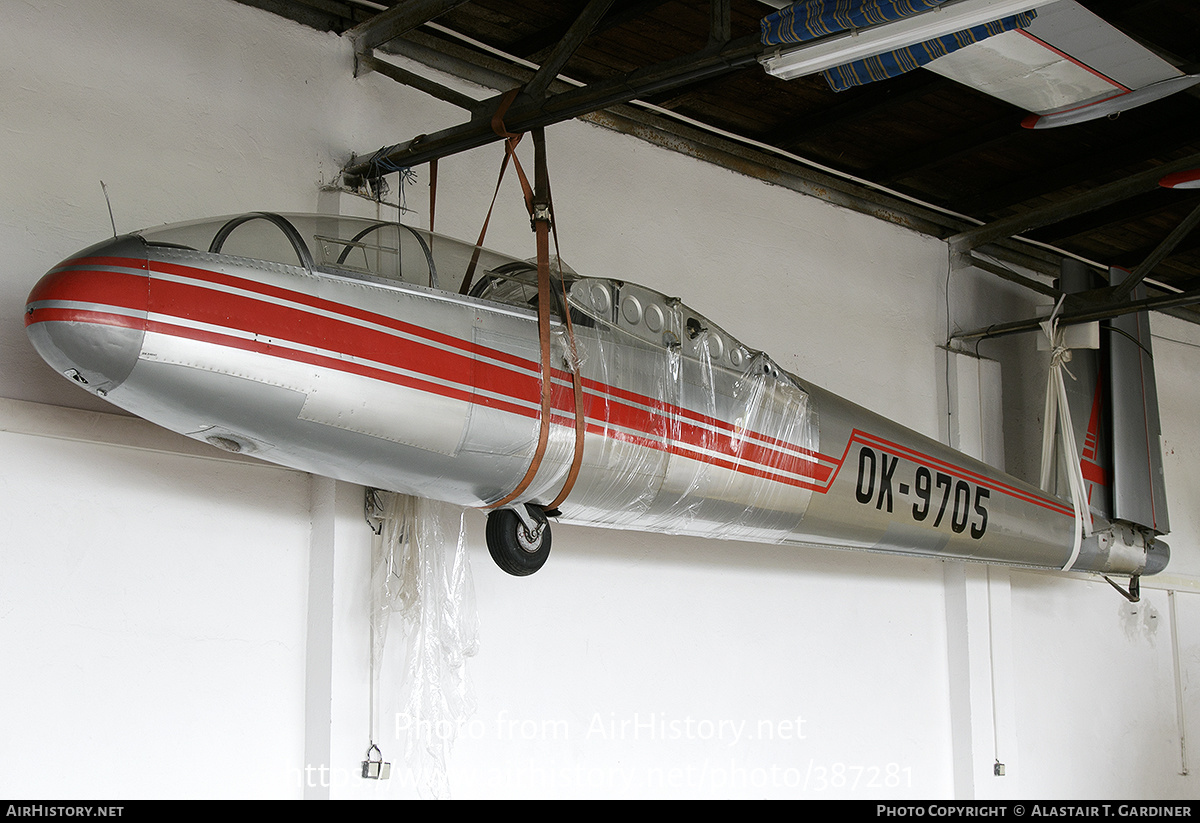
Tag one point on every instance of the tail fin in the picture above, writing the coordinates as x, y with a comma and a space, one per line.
1138, 488
1114, 412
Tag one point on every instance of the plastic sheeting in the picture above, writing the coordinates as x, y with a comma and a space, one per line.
421, 585
699, 435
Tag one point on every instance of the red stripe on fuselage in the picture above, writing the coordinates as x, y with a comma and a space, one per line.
453, 360
531, 391
646, 421
915, 456
643, 414
94, 316
105, 288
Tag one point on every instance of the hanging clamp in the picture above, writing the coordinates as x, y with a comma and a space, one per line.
373, 768
540, 214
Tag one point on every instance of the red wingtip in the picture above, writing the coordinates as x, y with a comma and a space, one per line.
1189, 179
1031, 122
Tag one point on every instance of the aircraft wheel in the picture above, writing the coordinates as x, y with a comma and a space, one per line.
515, 549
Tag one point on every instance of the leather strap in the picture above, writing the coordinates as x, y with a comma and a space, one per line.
543, 257
432, 192
577, 381
510, 154
542, 224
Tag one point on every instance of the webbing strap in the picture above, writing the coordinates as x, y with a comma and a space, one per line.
542, 224
510, 154
577, 381
543, 257
432, 192
1057, 409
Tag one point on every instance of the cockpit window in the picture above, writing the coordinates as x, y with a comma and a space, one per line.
264, 237
514, 284
348, 246
388, 250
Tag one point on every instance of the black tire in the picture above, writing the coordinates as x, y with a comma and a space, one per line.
511, 545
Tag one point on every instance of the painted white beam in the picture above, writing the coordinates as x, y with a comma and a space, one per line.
318, 653
979, 610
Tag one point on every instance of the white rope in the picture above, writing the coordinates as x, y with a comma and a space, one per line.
1058, 411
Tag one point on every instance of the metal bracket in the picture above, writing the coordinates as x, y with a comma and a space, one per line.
1133, 594
531, 524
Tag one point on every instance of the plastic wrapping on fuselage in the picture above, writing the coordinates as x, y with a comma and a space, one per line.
690, 433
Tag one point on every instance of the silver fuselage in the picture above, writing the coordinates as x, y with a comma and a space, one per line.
424, 391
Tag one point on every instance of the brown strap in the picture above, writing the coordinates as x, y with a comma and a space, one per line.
510, 154
510, 145
498, 117
432, 192
465, 288
542, 230
577, 381
543, 257
541, 224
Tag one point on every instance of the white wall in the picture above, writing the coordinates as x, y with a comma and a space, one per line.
167, 618
152, 616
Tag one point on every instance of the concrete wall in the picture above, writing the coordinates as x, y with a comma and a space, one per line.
179, 624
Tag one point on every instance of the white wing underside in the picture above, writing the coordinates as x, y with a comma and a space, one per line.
1066, 59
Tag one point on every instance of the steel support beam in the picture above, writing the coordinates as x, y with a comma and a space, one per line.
1104, 311
457, 61
369, 62
1054, 212
583, 26
1006, 273
400, 18
527, 113
1158, 255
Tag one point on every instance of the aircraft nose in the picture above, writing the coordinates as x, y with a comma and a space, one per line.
87, 316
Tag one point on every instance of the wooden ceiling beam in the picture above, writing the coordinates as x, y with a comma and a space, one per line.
939, 152
1125, 288
576, 33
1127, 260
531, 45
322, 15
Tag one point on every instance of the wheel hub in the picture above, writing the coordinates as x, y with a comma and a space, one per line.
528, 540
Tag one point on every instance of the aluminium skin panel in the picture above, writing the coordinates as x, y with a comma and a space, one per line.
416, 389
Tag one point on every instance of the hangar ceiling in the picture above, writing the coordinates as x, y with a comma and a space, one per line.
917, 149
